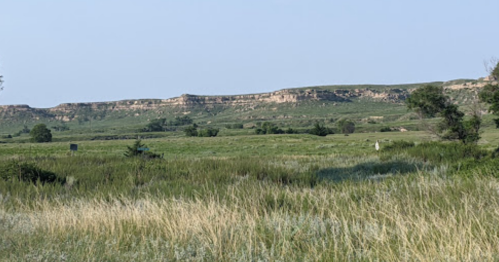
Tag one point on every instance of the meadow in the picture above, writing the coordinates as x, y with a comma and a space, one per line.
255, 198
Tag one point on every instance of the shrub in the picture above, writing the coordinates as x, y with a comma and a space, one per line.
385, 129
191, 131
26, 172
133, 151
40, 134
320, 130
268, 128
155, 125
208, 132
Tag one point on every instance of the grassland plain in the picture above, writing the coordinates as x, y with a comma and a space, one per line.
255, 198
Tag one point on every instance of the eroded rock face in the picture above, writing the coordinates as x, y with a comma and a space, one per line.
72, 111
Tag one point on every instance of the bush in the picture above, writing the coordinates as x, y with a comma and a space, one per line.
155, 125
385, 129
320, 130
191, 131
208, 132
268, 128
133, 151
26, 172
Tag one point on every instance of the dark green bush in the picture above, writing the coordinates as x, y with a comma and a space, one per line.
320, 130
133, 151
268, 128
208, 132
191, 131
385, 129
27, 172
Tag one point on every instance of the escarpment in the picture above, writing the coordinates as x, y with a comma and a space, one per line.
187, 103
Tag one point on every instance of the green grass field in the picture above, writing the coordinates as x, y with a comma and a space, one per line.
255, 198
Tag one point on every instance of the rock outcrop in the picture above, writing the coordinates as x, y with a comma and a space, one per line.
186, 103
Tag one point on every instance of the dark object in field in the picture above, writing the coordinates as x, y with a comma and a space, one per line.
27, 172
73, 147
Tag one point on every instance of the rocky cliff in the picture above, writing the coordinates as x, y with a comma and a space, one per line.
70, 111
186, 103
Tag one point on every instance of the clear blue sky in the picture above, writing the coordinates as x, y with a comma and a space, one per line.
53, 52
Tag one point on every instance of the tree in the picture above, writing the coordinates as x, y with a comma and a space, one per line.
427, 101
430, 101
490, 95
346, 126
40, 134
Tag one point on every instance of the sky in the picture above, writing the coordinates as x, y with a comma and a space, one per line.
66, 51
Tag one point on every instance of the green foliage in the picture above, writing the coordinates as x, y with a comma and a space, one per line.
132, 151
208, 132
26, 172
268, 128
385, 129
490, 95
291, 131
430, 101
155, 125
320, 130
346, 126
437, 152
427, 101
191, 131
41, 134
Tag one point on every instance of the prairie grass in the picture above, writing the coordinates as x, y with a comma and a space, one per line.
338, 202
417, 217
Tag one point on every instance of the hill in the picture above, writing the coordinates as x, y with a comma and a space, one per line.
297, 107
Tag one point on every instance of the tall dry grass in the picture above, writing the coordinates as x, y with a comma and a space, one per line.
421, 217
